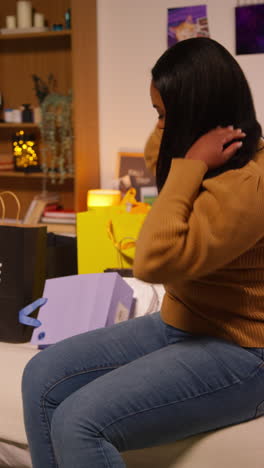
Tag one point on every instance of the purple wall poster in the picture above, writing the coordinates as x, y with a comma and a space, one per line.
187, 22
250, 29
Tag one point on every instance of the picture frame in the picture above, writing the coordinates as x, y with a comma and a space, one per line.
132, 171
249, 29
130, 163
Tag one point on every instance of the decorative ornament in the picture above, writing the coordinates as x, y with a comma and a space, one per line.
57, 136
42, 89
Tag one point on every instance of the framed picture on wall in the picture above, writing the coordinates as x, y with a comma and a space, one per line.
187, 22
250, 29
132, 172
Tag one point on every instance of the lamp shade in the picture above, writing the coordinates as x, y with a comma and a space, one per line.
101, 197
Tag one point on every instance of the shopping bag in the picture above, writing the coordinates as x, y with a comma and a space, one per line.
28, 255
22, 273
106, 236
61, 255
106, 239
80, 303
23, 263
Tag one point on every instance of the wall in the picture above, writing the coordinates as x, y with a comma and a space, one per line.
131, 36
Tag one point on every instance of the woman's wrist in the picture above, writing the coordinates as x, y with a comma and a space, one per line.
194, 157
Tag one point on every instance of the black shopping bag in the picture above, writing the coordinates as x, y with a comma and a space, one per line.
23, 252
28, 255
61, 256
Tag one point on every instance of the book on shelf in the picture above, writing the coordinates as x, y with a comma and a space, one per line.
59, 214
62, 229
51, 207
6, 162
37, 206
6, 158
53, 220
6, 167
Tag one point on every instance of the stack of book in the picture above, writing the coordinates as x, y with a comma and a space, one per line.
45, 209
58, 216
6, 162
37, 207
59, 221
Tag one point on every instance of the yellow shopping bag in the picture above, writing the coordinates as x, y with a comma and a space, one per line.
106, 237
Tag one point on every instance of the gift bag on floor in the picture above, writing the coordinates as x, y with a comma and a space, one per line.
61, 255
22, 274
80, 303
106, 237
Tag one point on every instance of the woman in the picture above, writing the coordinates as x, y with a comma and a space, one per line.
199, 364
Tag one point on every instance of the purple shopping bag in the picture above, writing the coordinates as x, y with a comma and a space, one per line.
79, 303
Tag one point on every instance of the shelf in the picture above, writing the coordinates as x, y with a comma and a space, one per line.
46, 34
71, 55
18, 125
30, 175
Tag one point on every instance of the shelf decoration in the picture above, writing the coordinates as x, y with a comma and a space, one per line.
56, 130
10, 22
57, 137
25, 156
42, 89
22, 22
187, 22
249, 29
24, 14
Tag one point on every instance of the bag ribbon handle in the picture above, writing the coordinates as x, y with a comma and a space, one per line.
23, 314
121, 246
132, 206
8, 192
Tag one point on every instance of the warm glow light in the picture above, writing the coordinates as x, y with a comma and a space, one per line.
101, 197
24, 151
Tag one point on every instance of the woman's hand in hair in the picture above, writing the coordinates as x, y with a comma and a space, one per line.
216, 147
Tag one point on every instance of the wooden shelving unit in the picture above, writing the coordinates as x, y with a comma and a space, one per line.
71, 55
34, 35
30, 175
18, 125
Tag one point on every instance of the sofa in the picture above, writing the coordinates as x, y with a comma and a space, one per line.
239, 446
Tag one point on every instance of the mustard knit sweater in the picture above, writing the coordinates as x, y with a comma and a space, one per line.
207, 248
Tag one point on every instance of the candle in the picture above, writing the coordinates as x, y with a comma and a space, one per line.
8, 115
38, 20
101, 197
24, 14
16, 115
10, 22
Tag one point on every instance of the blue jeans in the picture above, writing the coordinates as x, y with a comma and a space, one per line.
137, 384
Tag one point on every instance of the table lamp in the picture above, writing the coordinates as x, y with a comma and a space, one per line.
102, 197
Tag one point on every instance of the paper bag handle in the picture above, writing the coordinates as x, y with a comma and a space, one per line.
120, 245
23, 314
2, 206
131, 203
8, 192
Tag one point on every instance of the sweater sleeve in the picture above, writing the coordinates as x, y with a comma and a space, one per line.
190, 234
